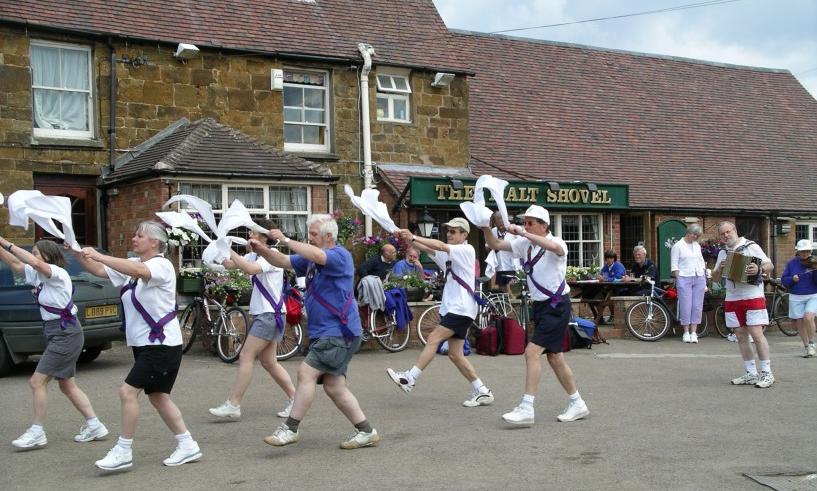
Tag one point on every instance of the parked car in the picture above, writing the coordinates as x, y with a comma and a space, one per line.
21, 327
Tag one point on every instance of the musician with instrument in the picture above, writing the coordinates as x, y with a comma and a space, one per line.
742, 264
801, 281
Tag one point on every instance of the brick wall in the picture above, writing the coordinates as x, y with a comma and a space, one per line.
135, 203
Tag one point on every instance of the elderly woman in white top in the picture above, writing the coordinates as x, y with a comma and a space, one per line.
689, 269
148, 283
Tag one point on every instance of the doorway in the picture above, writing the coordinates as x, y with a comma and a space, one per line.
81, 191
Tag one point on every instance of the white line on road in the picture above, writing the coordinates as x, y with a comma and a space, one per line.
662, 355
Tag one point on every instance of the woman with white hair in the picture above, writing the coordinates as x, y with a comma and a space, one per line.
689, 269
800, 280
148, 283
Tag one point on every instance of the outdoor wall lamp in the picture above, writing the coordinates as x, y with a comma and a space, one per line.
552, 185
425, 224
442, 79
591, 187
457, 184
186, 51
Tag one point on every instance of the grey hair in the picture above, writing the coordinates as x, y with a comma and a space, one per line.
154, 230
694, 228
327, 223
639, 248
725, 223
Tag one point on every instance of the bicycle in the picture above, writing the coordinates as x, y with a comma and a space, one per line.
650, 319
777, 307
382, 326
230, 327
497, 304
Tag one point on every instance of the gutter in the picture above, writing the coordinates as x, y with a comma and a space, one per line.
366, 51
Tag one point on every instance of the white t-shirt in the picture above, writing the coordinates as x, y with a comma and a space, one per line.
743, 291
157, 296
272, 278
504, 259
687, 259
456, 299
549, 271
56, 292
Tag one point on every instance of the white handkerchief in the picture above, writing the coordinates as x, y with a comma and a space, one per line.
17, 205
44, 211
368, 204
497, 189
198, 204
490, 264
178, 219
1, 198
476, 213
237, 216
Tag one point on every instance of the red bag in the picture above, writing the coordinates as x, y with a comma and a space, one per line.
490, 340
293, 303
514, 337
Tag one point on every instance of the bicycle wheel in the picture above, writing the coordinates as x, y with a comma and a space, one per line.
703, 327
647, 321
291, 343
232, 331
386, 332
429, 320
188, 323
720, 322
780, 316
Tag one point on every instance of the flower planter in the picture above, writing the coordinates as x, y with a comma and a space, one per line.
415, 294
189, 285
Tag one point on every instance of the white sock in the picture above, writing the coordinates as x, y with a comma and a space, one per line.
184, 438
126, 443
766, 366
414, 373
528, 399
479, 386
37, 428
234, 406
751, 367
575, 397
92, 422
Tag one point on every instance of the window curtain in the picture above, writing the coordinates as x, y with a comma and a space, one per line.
290, 199
58, 69
210, 193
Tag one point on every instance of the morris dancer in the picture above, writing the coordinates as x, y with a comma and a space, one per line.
148, 284
267, 305
458, 309
545, 263
333, 326
44, 270
799, 278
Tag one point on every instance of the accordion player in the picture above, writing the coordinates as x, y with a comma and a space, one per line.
734, 268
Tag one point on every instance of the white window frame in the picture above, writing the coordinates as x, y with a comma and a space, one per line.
391, 94
67, 134
812, 231
556, 222
311, 147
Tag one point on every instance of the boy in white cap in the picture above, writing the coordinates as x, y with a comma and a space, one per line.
458, 309
545, 263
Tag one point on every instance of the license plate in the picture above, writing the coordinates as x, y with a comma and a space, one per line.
101, 311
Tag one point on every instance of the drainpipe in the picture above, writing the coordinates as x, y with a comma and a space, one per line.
366, 50
103, 196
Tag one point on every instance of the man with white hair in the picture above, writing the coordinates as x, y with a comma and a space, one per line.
333, 327
545, 263
745, 307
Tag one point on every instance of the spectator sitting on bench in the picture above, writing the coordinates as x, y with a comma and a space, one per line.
643, 268
611, 271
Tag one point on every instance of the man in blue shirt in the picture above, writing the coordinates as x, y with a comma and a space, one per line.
410, 265
333, 327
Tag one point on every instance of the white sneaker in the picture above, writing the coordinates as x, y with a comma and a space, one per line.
401, 379
183, 454
479, 399
88, 434
574, 411
746, 379
521, 415
686, 338
361, 439
810, 351
226, 410
284, 413
765, 380
117, 458
732, 337
31, 439
282, 436
693, 338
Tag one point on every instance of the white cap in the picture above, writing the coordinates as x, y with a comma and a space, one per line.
536, 211
803, 245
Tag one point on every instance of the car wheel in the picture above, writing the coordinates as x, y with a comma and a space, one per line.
5, 359
89, 354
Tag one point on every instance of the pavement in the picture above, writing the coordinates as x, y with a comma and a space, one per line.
662, 416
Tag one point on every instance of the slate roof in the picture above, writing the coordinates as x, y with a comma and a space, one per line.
396, 176
682, 133
208, 148
403, 32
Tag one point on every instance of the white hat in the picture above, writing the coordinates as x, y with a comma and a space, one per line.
536, 211
803, 245
460, 223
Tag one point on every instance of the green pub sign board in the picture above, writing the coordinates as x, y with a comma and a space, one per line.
440, 192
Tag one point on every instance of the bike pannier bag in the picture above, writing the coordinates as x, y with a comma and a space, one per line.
490, 340
513, 336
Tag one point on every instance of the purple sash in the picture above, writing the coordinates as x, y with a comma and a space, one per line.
276, 305
157, 328
555, 297
312, 273
66, 314
477, 298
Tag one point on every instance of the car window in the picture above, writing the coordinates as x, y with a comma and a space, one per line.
9, 279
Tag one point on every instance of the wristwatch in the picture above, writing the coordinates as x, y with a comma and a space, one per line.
286, 240
8, 247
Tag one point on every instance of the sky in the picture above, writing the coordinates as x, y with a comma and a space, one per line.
779, 34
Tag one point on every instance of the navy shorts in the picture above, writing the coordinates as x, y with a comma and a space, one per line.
550, 325
457, 323
155, 368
